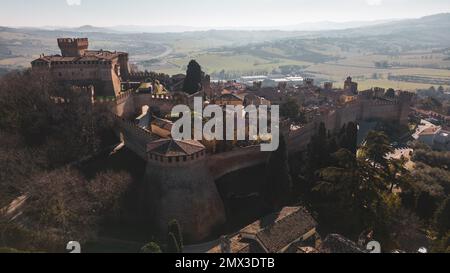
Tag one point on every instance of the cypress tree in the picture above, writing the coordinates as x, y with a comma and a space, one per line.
442, 217
425, 205
193, 80
278, 179
174, 228
172, 244
351, 136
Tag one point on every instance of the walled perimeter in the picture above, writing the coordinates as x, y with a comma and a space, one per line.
187, 192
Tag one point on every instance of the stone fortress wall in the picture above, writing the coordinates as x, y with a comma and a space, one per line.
177, 188
186, 190
129, 103
134, 137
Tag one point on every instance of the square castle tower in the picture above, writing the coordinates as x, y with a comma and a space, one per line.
73, 47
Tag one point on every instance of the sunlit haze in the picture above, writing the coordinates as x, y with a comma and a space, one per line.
209, 13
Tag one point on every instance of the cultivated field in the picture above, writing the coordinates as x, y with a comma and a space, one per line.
404, 55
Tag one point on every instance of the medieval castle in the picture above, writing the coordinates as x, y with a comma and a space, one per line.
104, 70
180, 175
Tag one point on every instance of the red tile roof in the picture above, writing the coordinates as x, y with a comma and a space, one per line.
171, 147
90, 55
278, 230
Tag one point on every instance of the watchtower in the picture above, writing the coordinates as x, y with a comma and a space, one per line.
309, 82
73, 47
180, 186
350, 85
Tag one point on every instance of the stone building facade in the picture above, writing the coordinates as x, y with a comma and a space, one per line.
104, 70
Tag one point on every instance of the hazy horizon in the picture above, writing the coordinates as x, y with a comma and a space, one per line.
210, 14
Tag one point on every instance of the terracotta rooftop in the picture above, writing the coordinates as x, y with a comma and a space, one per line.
231, 96
163, 124
278, 230
335, 243
430, 130
239, 245
90, 55
171, 147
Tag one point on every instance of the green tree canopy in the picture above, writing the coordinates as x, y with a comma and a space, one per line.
151, 247
175, 229
377, 147
442, 217
193, 80
425, 205
347, 193
348, 137
290, 109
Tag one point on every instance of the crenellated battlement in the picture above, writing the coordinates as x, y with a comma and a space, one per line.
175, 161
163, 97
73, 47
141, 74
76, 41
59, 100
104, 100
124, 96
382, 102
176, 181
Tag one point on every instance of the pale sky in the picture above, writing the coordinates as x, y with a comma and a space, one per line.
211, 13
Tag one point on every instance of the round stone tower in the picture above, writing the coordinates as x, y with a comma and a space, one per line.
180, 187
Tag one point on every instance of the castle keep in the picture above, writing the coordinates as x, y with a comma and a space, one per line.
100, 69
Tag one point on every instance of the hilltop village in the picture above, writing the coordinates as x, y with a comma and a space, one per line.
180, 175
142, 105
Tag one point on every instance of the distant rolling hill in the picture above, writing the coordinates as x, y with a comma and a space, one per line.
434, 29
89, 28
243, 50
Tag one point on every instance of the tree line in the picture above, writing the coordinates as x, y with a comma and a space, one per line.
40, 144
355, 189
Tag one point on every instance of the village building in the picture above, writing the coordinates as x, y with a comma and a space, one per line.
161, 127
275, 233
230, 99
433, 135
